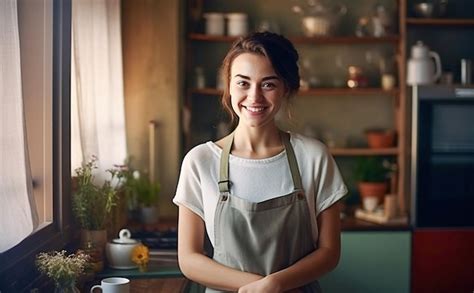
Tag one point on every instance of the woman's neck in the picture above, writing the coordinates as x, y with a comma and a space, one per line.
257, 143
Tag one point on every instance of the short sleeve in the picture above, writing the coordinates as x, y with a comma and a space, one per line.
188, 191
330, 185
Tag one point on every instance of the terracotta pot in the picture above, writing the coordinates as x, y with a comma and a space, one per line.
375, 189
377, 139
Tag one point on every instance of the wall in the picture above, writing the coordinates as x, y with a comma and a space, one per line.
152, 84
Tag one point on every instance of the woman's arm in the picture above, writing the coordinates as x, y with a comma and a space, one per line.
196, 266
312, 266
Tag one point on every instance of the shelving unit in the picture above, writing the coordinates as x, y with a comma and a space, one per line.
210, 96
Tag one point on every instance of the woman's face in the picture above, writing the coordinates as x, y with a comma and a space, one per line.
255, 89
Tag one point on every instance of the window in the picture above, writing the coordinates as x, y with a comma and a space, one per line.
46, 82
36, 32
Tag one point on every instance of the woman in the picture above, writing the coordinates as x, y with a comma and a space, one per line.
267, 199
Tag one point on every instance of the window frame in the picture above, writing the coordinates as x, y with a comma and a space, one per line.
18, 271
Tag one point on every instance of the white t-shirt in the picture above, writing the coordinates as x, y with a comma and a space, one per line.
257, 180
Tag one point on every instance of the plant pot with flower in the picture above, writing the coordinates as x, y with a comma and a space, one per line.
92, 204
371, 174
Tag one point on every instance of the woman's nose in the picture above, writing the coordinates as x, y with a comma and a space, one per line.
255, 93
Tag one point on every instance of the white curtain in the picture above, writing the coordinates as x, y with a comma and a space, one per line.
97, 100
18, 215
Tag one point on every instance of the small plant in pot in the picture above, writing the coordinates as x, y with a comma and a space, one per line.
143, 194
372, 176
92, 203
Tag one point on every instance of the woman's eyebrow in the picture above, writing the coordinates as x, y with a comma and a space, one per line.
263, 79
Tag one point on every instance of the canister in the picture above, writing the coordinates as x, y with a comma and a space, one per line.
237, 24
215, 24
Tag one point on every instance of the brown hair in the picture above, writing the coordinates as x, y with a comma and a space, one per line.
279, 50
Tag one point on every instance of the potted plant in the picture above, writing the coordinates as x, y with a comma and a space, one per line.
147, 194
142, 194
372, 173
62, 269
92, 203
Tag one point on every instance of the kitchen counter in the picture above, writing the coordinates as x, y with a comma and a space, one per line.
155, 270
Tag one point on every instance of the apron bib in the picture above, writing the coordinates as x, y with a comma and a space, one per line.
264, 237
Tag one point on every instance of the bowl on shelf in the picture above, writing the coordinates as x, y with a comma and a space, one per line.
424, 9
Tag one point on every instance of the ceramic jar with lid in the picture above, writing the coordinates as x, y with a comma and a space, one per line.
119, 251
215, 24
237, 24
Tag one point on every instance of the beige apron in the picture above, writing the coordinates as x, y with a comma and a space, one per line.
264, 237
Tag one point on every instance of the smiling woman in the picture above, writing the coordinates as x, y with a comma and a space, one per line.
45, 57
267, 198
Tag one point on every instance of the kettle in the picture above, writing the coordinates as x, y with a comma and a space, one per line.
421, 68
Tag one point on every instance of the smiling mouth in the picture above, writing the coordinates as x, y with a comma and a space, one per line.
254, 109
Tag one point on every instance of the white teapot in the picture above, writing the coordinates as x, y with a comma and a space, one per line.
421, 68
119, 251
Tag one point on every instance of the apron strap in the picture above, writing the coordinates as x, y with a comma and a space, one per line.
224, 186
290, 155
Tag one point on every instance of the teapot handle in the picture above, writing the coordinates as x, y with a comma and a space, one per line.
435, 56
124, 233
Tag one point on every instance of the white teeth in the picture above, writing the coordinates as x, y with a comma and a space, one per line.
255, 109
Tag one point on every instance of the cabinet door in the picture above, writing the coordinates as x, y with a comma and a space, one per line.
371, 262
443, 260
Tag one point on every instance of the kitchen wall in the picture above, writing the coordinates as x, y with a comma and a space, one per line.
153, 87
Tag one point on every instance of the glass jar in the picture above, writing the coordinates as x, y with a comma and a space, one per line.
356, 77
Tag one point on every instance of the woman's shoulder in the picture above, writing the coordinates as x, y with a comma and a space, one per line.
202, 153
308, 144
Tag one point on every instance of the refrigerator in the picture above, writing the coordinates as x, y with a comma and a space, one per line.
442, 188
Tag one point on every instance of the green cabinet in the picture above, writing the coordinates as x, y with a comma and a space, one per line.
371, 261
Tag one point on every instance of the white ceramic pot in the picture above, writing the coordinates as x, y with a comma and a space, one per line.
215, 23
237, 24
119, 251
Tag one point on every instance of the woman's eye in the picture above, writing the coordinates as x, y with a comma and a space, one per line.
242, 83
268, 85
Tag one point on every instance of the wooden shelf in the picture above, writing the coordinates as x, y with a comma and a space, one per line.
207, 91
441, 21
363, 151
353, 224
348, 40
347, 92
211, 38
317, 92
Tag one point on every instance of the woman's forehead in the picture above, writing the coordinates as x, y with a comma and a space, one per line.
250, 64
